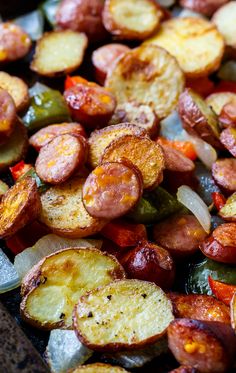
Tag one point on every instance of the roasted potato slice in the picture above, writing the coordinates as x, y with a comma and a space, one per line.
196, 43
228, 211
233, 312
15, 43
227, 115
218, 100
19, 206
98, 367
109, 318
148, 75
17, 88
133, 19
64, 213
59, 52
3, 188
198, 118
130, 147
7, 116
100, 139
224, 19
206, 7
52, 288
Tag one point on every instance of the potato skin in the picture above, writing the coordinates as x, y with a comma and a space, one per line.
7, 115
206, 7
150, 262
184, 369
19, 206
15, 43
84, 16
228, 139
224, 173
17, 88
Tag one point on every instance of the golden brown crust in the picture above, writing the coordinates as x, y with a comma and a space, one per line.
218, 100
19, 206
131, 147
98, 367
233, 311
17, 88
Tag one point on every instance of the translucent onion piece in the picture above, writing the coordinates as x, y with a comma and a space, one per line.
186, 13
195, 204
64, 351
171, 127
9, 278
45, 246
205, 152
32, 23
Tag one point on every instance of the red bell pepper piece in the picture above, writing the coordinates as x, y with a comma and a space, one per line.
218, 199
185, 147
203, 86
225, 86
124, 234
20, 169
222, 291
71, 81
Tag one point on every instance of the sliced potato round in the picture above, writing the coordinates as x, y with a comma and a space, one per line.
225, 20
19, 206
228, 211
100, 139
233, 312
133, 19
17, 88
64, 213
15, 148
148, 75
52, 288
218, 100
144, 153
59, 52
98, 367
196, 43
125, 314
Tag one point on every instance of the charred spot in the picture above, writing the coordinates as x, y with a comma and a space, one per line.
144, 295
109, 297
90, 314
135, 66
43, 280
62, 315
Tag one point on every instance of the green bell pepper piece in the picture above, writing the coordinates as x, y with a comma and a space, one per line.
42, 187
144, 212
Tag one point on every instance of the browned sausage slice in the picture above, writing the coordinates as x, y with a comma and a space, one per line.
206, 346
111, 190
46, 134
224, 173
105, 57
199, 307
184, 369
176, 161
228, 139
7, 115
15, 43
180, 234
58, 159
206, 7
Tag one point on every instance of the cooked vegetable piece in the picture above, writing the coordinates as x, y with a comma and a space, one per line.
219, 200
41, 186
228, 71
150, 262
100, 139
175, 160
144, 70
60, 158
17, 88
64, 351
15, 43
224, 19
207, 346
222, 291
135, 19
7, 116
47, 106
203, 86
184, 369
109, 318
224, 173
144, 212
185, 147
124, 234
179, 234
199, 307
228, 212
9, 278
99, 367
90, 104
225, 86
112, 189
32, 23
15, 148
199, 119
61, 279
233, 312
141, 115
47, 245
49, 9
197, 279
105, 57
3, 188
206, 7
228, 139
227, 115
130, 147
206, 184
19, 206
188, 40
59, 52
84, 16
64, 213
218, 100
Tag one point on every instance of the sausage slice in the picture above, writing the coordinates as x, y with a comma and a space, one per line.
228, 139
224, 173
111, 190
7, 115
58, 159
176, 161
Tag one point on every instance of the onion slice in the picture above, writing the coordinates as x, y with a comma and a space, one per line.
65, 351
47, 245
9, 278
195, 204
